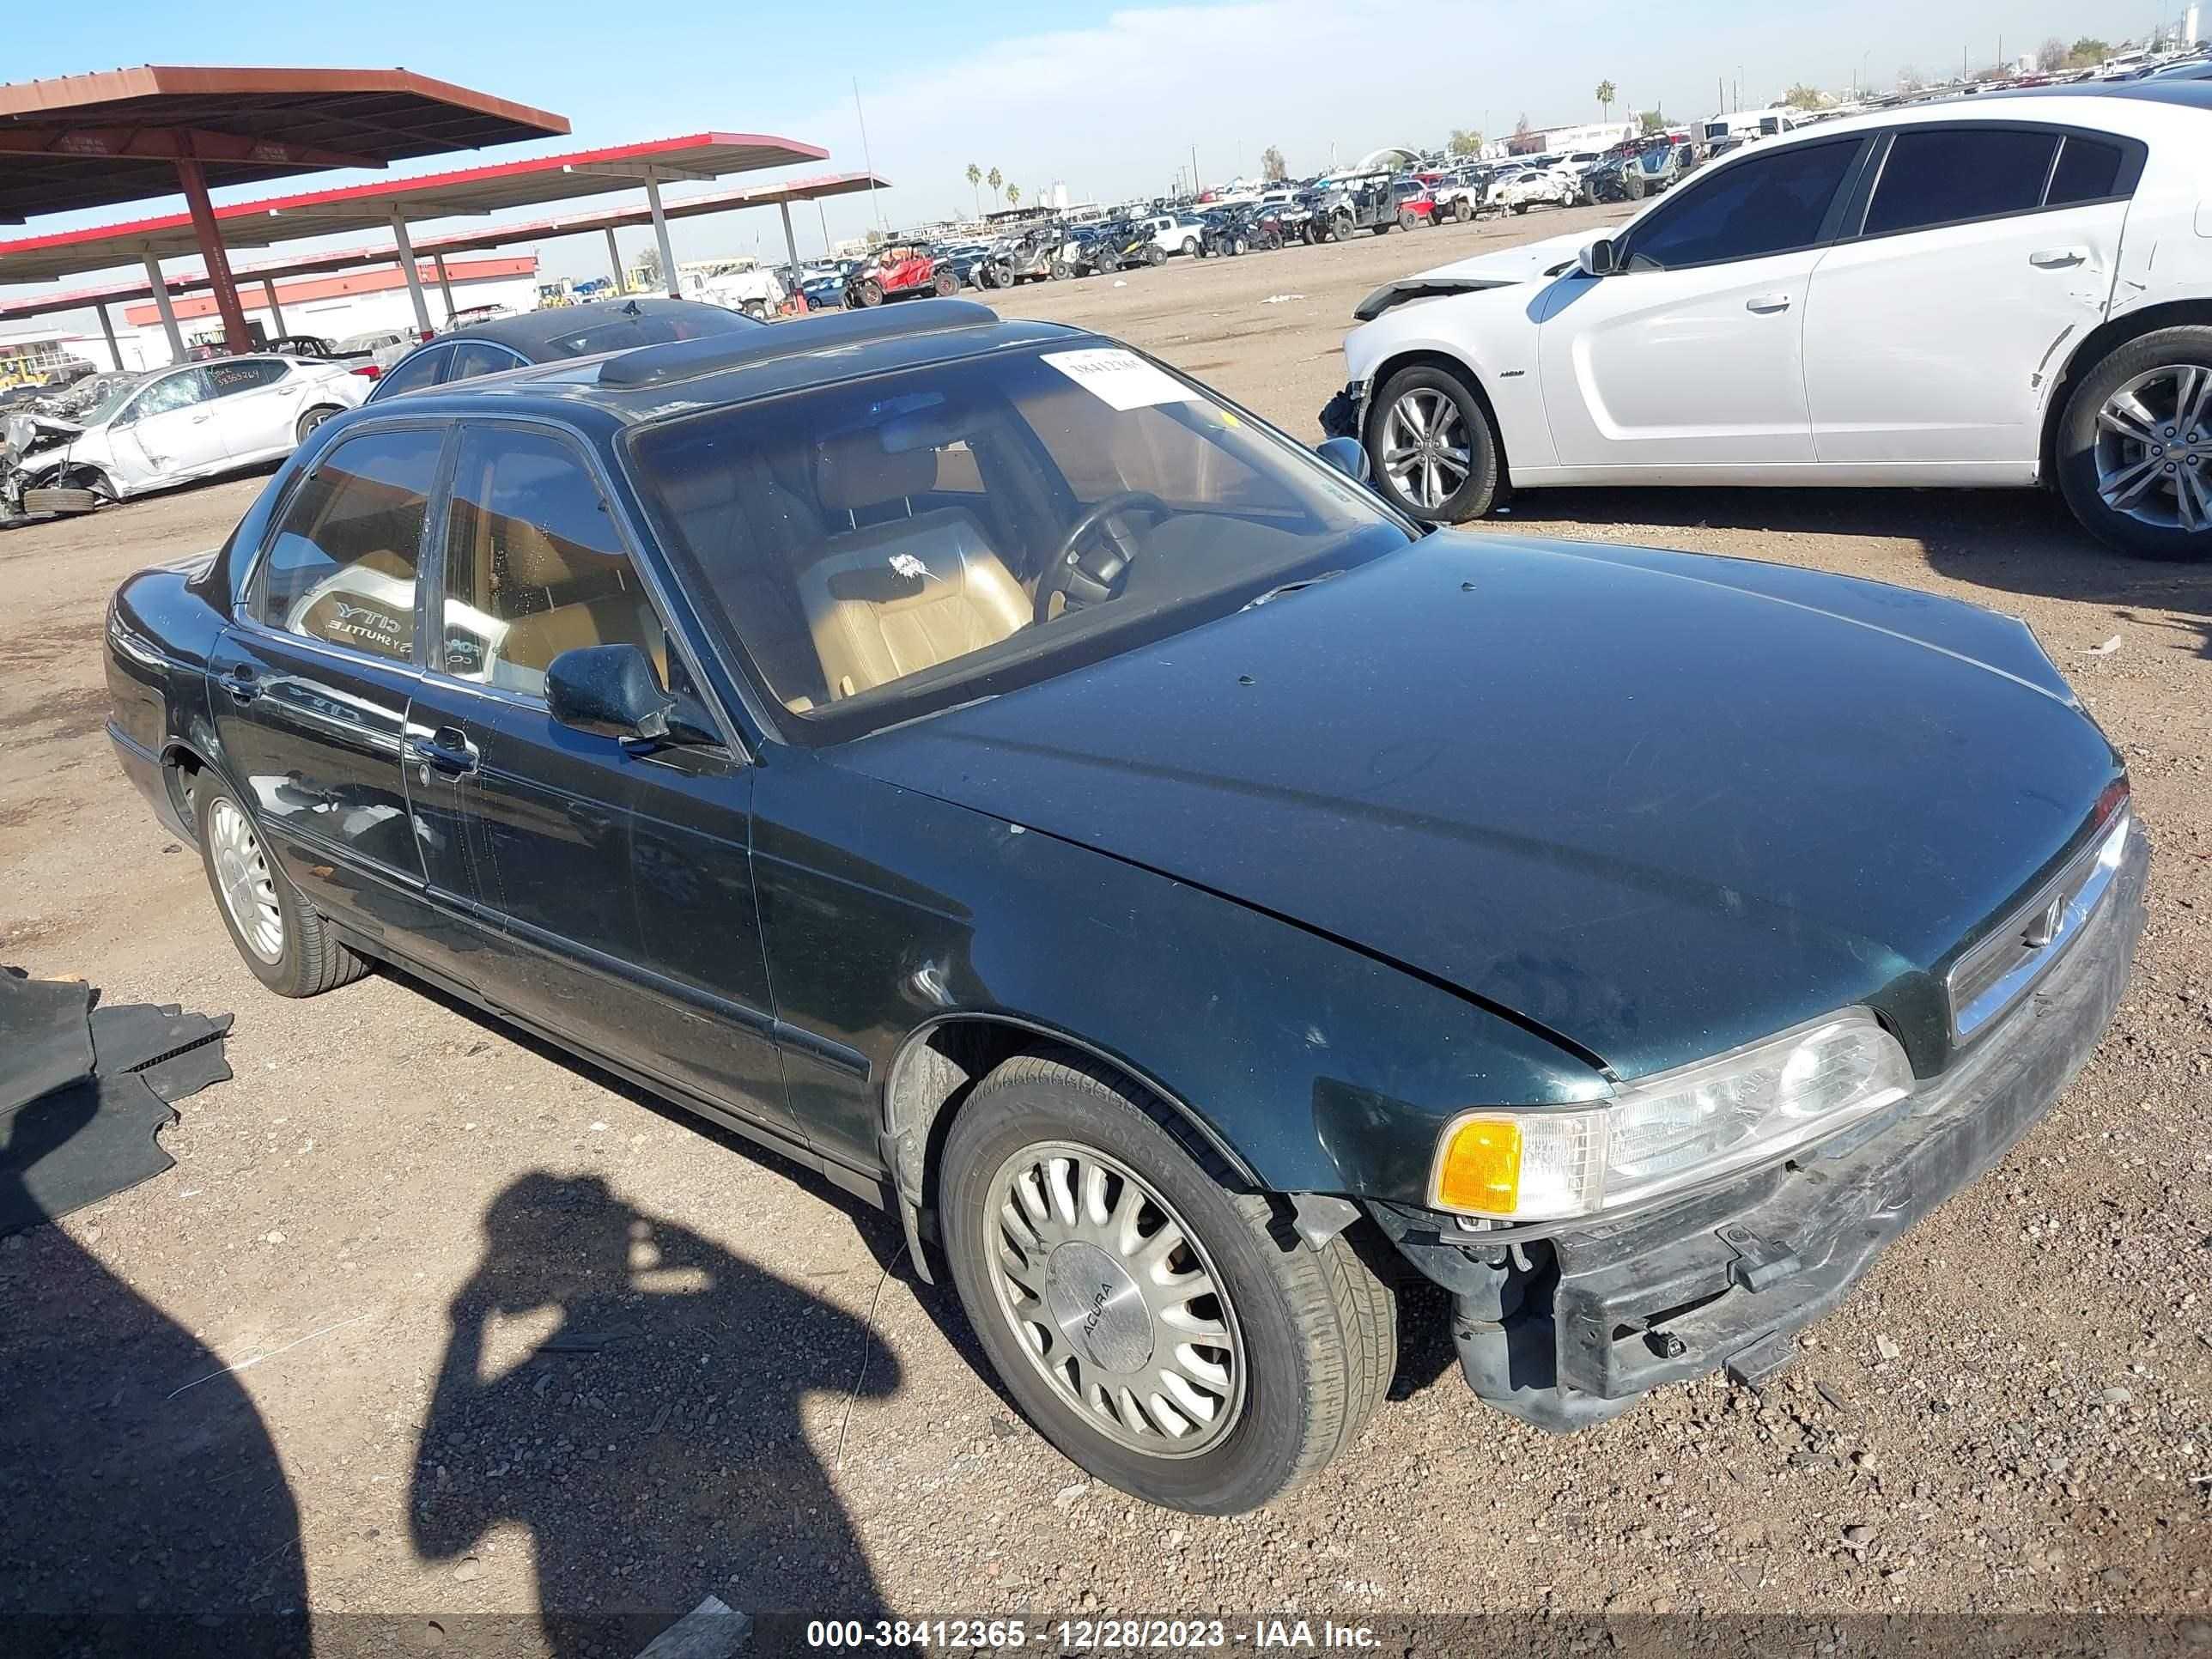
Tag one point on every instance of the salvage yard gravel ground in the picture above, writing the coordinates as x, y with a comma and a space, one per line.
573, 1353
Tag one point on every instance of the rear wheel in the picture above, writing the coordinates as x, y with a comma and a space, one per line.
2135, 445
1190, 247
1430, 446
311, 420
282, 939
1157, 1328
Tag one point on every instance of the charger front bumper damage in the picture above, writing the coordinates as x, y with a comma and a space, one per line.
1571, 1329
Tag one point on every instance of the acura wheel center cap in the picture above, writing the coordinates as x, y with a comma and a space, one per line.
1099, 1307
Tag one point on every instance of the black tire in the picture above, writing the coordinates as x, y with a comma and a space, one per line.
1319, 1329
61, 498
312, 961
944, 284
1460, 211
1408, 219
870, 293
1631, 183
1480, 492
314, 418
2187, 347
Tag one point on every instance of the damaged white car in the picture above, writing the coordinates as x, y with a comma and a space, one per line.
2013, 291
171, 426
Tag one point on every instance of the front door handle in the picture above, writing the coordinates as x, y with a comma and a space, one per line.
2057, 258
447, 749
1764, 303
242, 681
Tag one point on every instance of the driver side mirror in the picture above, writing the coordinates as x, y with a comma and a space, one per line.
1347, 455
1598, 259
610, 691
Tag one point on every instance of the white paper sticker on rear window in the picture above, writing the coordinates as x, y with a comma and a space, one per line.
1120, 378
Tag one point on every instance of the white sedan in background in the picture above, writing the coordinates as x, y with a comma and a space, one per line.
193, 421
1941, 295
1558, 185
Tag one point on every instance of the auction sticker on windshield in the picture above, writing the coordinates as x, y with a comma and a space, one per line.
1118, 378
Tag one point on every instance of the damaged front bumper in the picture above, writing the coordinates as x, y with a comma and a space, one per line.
1571, 1329
1344, 415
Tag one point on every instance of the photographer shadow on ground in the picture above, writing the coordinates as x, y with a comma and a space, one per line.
652, 1445
144, 1508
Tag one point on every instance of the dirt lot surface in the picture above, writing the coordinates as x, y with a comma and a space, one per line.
396, 1203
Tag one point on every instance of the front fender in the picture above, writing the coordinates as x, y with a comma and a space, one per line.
1315, 1065
1489, 336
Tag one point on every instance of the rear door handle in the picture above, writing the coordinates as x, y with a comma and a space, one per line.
1764, 303
447, 749
2057, 258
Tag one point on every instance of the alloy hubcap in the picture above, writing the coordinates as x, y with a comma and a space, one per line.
1424, 448
2154, 448
1114, 1300
249, 891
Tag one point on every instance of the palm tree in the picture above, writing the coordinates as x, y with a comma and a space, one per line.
1607, 92
974, 183
1013, 194
995, 180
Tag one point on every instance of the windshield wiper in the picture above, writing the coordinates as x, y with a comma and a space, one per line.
1291, 588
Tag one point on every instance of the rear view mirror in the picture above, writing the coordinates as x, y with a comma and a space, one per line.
1347, 455
610, 690
1598, 258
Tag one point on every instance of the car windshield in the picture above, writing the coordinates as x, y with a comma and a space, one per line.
620, 328
916, 539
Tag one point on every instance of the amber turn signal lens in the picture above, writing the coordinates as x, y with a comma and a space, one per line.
1479, 1167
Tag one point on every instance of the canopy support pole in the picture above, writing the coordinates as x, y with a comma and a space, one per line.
414, 276
160, 284
276, 311
193, 178
660, 235
107, 333
614, 259
445, 287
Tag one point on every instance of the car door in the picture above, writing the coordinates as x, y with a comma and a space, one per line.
620, 878
1981, 247
310, 683
413, 372
168, 431
473, 357
257, 407
1691, 354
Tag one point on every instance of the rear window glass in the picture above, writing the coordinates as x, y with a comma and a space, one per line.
1941, 177
2088, 170
619, 332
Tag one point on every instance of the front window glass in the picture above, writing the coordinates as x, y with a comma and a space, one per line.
925, 537
341, 567
533, 564
1765, 204
172, 391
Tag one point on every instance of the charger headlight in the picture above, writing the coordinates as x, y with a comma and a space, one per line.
1674, 1130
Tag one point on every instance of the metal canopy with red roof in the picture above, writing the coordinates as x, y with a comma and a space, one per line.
88, 141
779, 195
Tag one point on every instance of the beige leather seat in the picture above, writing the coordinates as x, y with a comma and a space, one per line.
534, 561
888, 599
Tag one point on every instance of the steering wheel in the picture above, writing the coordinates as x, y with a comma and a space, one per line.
1080, 577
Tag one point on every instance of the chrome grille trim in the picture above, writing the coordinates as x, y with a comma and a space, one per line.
1989, 978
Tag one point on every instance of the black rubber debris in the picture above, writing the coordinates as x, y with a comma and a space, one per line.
85, 1092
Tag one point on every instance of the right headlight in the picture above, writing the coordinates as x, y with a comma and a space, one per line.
1677, 1130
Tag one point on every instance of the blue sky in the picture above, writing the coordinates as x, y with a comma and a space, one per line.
1110, 99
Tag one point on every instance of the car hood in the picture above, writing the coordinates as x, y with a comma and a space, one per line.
1525, 264
1654, 805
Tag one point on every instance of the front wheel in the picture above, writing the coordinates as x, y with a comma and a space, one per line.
944, 284
1408, 219
1430, 447
1162, 1332
1460, 212
282, 938
870, 293
2135, 445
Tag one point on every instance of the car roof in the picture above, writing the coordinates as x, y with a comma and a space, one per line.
649, 381
533, 331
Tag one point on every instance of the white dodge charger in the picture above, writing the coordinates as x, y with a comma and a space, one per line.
2011, 291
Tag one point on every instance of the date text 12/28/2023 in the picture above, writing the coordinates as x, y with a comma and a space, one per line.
1093, 1635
